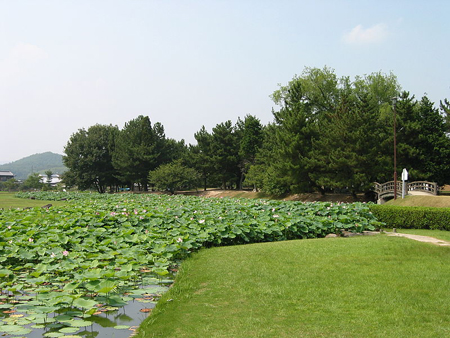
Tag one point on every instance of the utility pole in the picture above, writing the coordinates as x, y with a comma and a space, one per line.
394, 102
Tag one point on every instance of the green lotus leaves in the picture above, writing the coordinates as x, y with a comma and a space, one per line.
14, 329
63, 318
5, 273
97, 248
116, 301
121, 327
72, 286
84, 303
54, 334
106, 286
93, 274
79, 323
69, 330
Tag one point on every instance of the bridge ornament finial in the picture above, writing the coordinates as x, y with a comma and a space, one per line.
404, 174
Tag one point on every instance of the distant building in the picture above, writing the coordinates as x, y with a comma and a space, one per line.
6, 175
55, 179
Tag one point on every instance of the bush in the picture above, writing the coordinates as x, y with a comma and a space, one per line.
412, 217
174, 176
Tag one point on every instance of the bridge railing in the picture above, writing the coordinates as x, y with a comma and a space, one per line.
388, 187
429, 187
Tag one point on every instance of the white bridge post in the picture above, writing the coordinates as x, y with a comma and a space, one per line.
404, 178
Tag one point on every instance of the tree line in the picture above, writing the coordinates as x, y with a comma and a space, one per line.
328, 134
138, 156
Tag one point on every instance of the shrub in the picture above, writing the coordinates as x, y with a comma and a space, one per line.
412, 217
174, 176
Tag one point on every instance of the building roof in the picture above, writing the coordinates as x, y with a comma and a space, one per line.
6, 173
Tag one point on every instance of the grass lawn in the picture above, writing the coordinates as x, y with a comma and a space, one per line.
422, 201
7, 200
374, 286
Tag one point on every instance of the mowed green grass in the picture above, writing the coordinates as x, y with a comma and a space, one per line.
422, 201
7, 201
371, 286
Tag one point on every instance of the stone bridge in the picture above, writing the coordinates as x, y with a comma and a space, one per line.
386, 190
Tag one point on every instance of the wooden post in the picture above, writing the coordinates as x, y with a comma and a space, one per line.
394, 101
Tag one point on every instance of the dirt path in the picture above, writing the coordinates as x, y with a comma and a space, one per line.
419, 238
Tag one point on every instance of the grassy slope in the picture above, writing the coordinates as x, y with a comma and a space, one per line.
345, 287
422, 201
7, 200
306, 197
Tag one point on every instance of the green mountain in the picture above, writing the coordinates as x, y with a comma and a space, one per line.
35, 163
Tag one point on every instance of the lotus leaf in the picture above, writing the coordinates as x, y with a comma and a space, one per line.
53, 334
69, 329
14, 329
79, 323
84, 303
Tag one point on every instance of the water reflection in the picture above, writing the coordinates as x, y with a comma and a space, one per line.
103, 324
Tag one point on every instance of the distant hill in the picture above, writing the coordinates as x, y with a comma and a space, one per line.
35, 163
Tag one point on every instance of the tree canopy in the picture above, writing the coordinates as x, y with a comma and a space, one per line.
333, 134
88, 155
328, 133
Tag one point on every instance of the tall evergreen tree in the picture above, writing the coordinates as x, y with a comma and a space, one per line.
316, 132
303, 102
200, 156
225, 150
346, 155
139, 149
263, 174
88, 156
250, 140
424, 147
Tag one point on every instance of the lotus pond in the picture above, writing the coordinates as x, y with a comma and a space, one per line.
65, 269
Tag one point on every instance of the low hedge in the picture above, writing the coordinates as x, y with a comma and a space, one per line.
412, 217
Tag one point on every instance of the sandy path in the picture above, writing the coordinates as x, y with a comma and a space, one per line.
419, 238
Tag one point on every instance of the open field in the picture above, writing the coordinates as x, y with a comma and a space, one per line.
373, 286
7, 200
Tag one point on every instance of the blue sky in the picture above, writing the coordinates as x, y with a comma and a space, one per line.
66, 65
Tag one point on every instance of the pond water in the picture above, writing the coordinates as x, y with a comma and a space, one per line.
108, 321
128, 316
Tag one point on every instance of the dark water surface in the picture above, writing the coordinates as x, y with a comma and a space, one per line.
108, 321
103, 324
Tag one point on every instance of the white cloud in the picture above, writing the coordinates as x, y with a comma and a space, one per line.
361, 35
